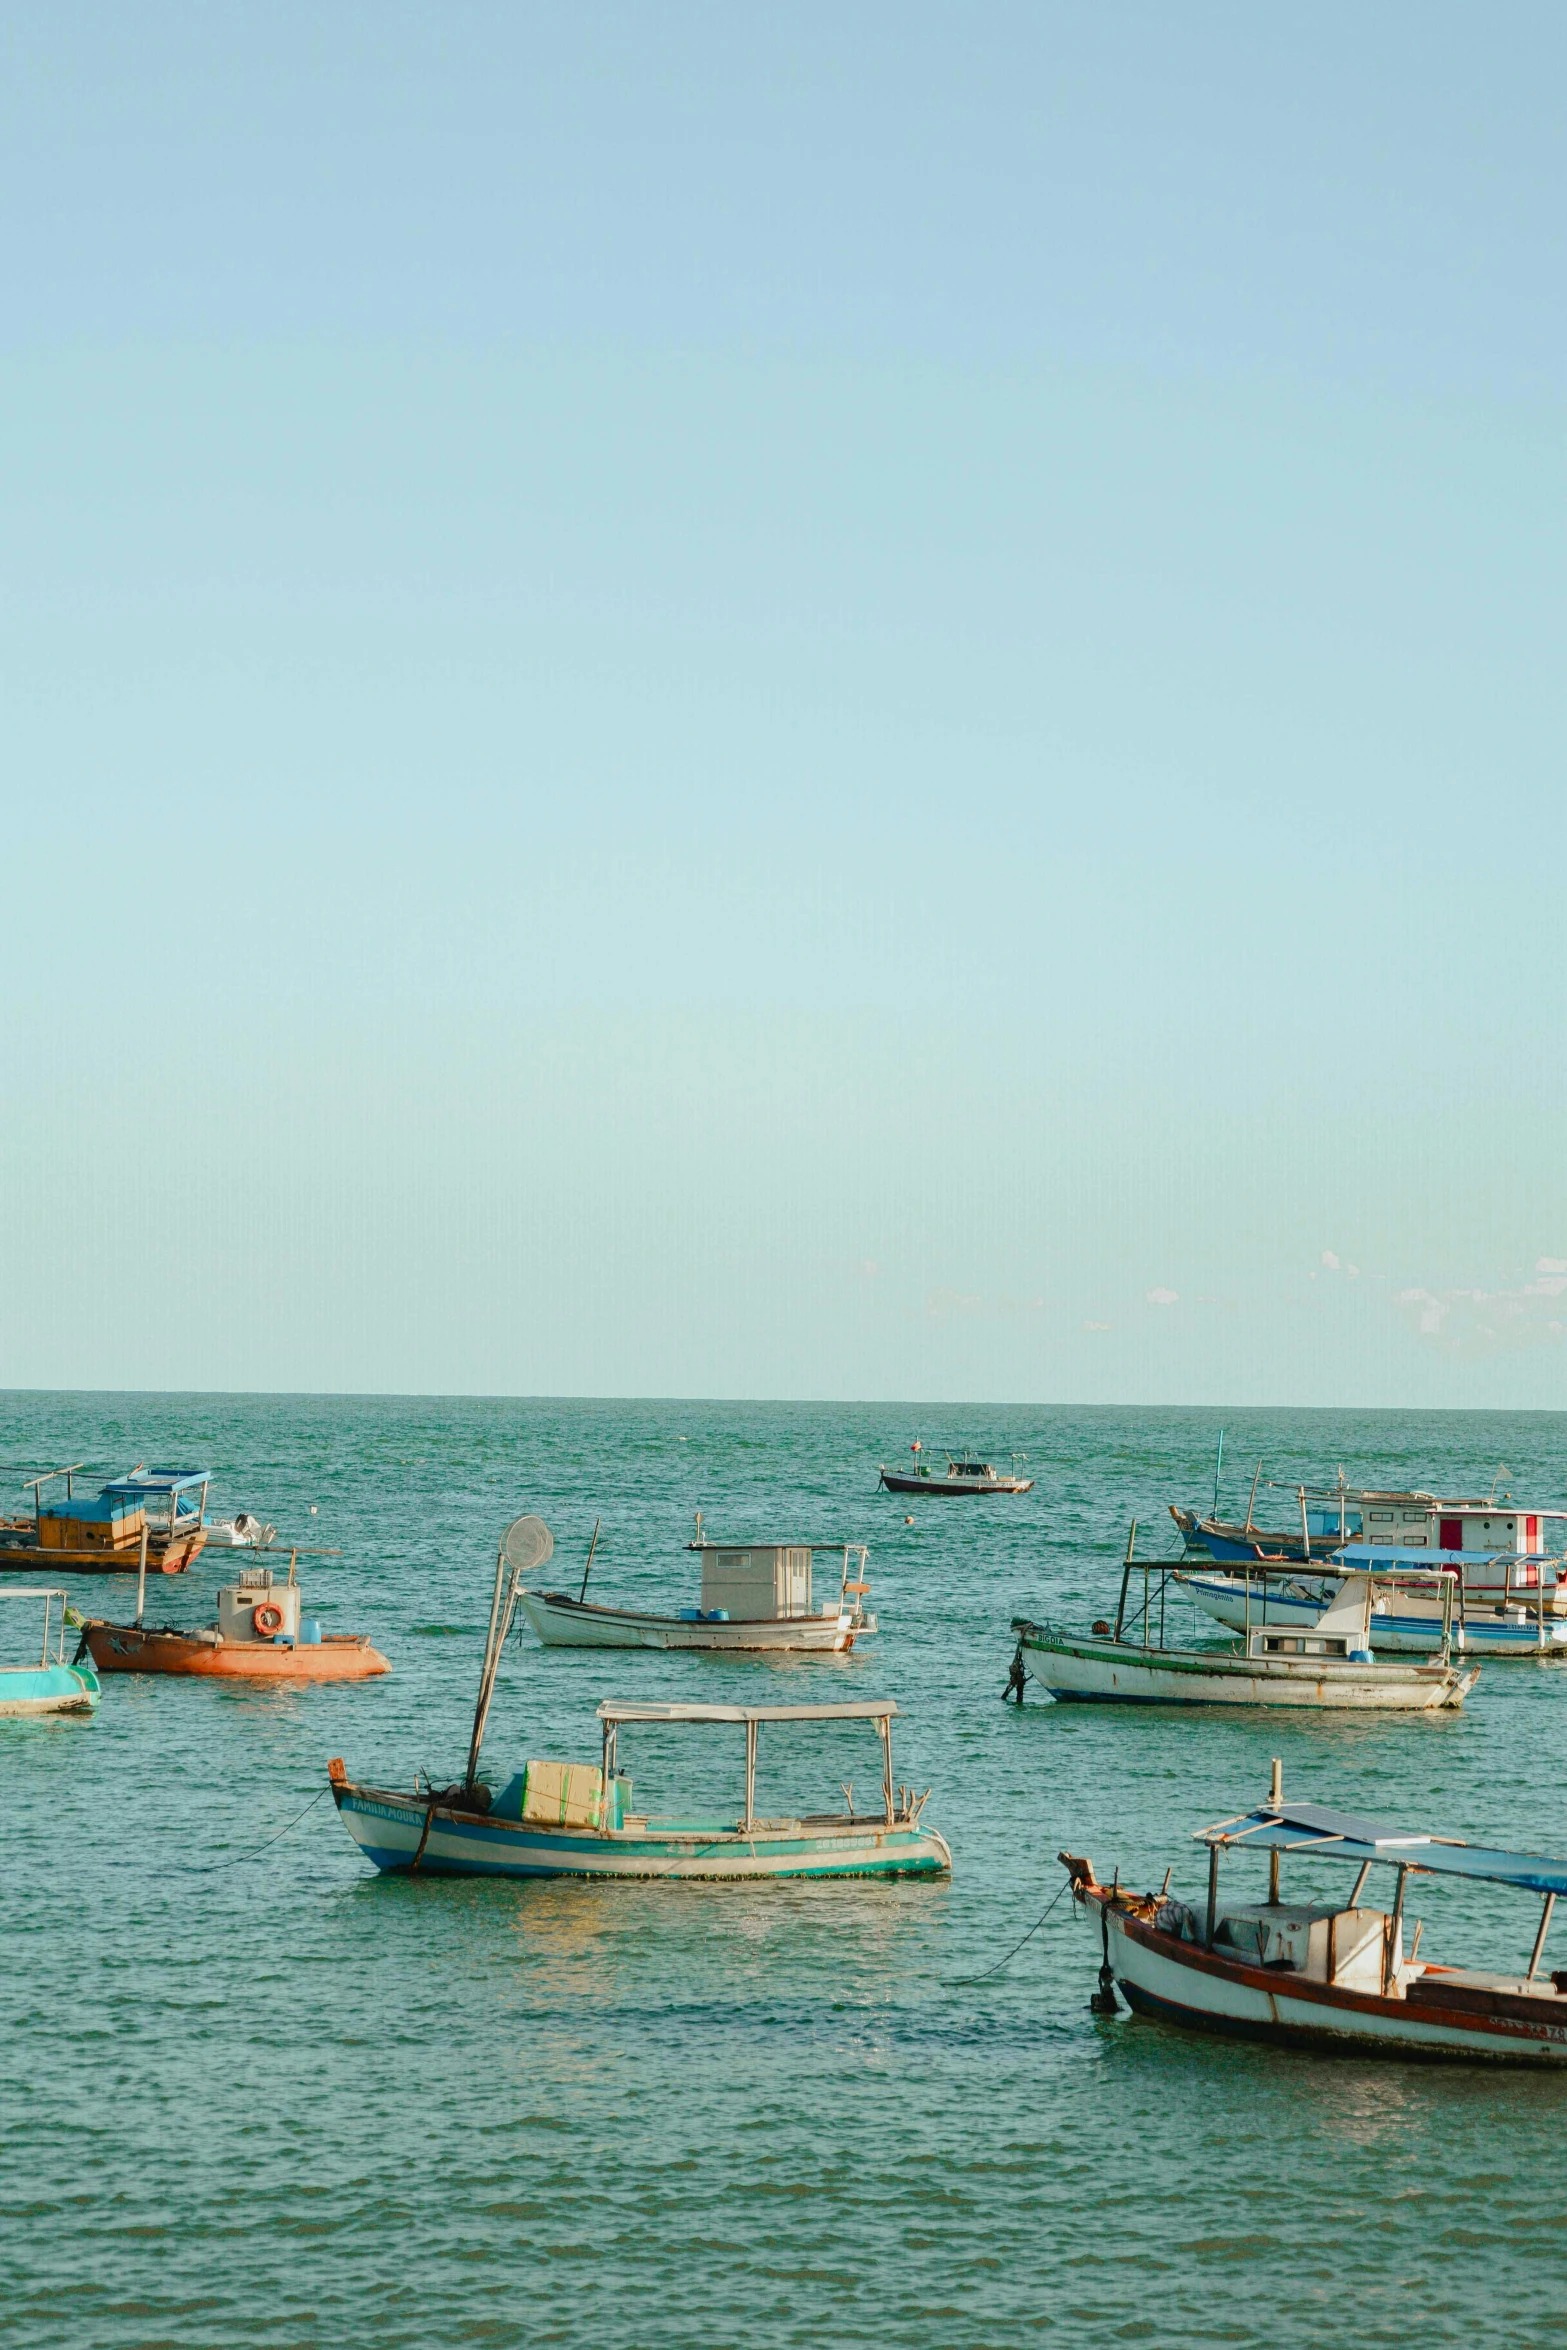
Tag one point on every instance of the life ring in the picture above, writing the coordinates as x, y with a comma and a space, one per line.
266, 1619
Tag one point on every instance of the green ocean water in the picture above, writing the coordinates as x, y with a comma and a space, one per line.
286, 2102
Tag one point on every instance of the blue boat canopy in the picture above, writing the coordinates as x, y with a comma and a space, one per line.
1313, 1831
159, 1481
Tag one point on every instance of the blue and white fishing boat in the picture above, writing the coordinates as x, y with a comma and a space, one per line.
1502, 1607
574, 1820
51, 1686
1421, 1527
1507, 1565
555, 1819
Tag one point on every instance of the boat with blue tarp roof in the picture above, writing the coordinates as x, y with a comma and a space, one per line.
1333, 1976
151, 1517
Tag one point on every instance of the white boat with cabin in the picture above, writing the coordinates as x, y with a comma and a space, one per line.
755, 1598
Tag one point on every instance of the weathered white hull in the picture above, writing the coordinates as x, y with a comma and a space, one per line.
568, 1623
1175, 1981
1114, 1672
398, 1831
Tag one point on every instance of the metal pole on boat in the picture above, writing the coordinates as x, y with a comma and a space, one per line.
1145, 1603
1539, 1940
1252, 1498
487, 1676
1213, 1893
1126, 1570
1217, 1466
141, 1575
1305, 1523
1276, 1803
886, 1748
1394, 1927
750, 1776
588, 1569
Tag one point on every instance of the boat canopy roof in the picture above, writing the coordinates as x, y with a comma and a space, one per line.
869, 1709
36, 1591
1312, 1829
159, 1481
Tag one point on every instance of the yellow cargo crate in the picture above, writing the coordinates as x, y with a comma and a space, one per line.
563, 1795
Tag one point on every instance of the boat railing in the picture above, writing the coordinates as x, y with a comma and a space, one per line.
1156, 1574
54, 1627
855, 1587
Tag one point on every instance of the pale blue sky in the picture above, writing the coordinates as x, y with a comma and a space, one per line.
718, 701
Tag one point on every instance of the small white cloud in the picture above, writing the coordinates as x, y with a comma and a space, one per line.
1162, 1297
1096, 1325
1330, 1260
945, 1302
1550, 1264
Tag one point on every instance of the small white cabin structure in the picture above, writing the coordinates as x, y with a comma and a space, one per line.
759, 1582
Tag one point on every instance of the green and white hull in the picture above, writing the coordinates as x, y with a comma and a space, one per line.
1117, 1672
415, 1832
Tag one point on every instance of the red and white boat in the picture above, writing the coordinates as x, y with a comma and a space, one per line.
1319, 1976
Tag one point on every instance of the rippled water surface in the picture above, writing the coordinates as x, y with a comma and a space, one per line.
279, 2100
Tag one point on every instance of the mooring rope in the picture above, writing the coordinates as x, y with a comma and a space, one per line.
213, 1867
958, 1982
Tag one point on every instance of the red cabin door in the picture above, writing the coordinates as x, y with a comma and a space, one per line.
1531, 1533
1450, 1533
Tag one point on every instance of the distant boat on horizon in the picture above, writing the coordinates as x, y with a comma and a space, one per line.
965, 1474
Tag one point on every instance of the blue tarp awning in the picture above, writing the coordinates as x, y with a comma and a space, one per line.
1314, 1832
159, 1481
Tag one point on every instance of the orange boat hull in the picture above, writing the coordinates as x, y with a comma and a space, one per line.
121, 1648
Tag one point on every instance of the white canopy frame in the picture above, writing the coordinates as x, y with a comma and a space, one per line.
878, 1710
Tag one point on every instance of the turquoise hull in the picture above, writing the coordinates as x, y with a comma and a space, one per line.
398, 1831
48, 1689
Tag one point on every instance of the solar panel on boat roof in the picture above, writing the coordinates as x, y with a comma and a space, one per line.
1317, 1820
